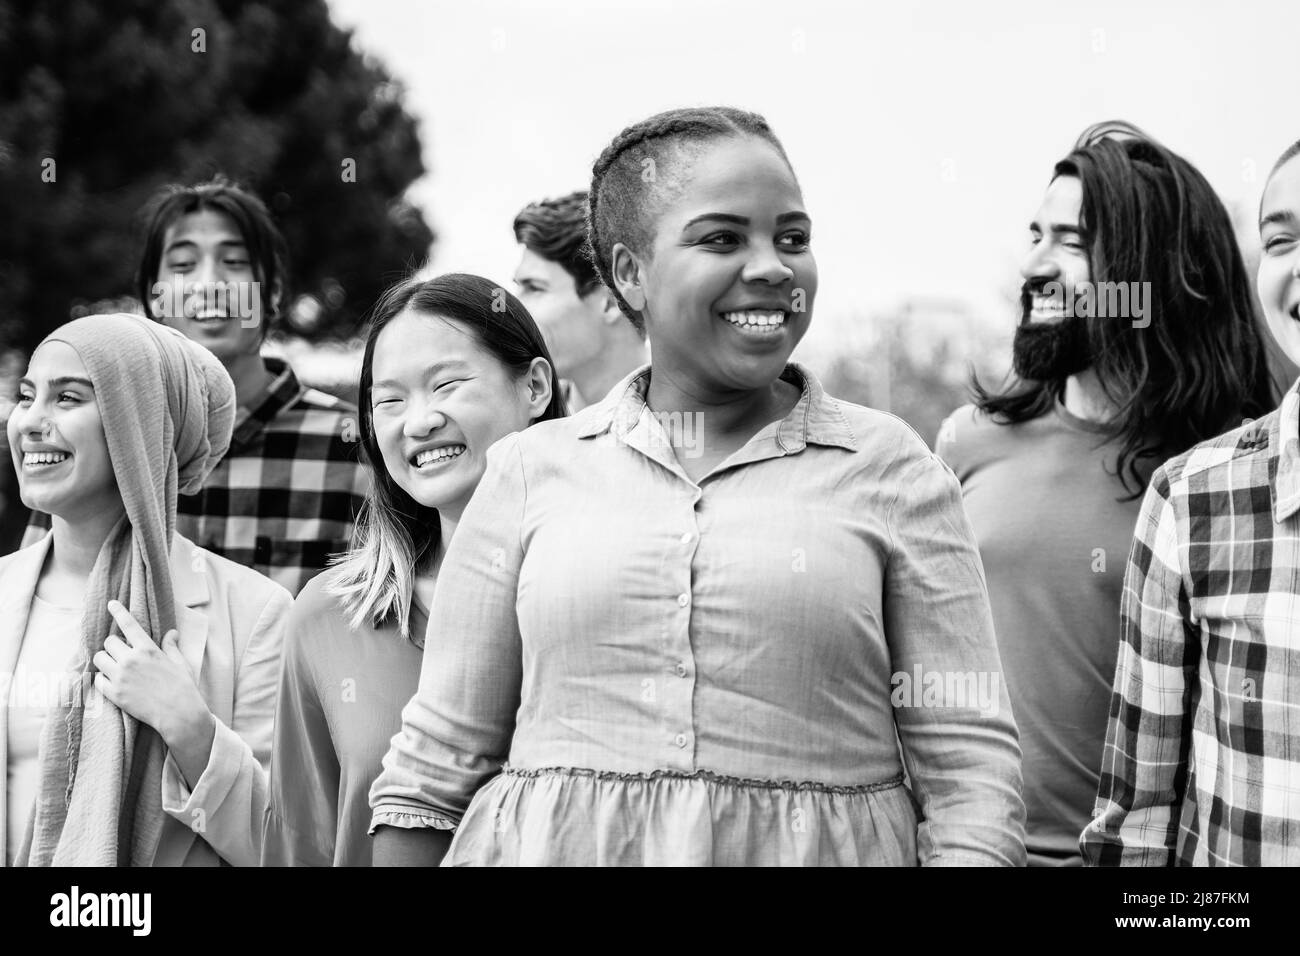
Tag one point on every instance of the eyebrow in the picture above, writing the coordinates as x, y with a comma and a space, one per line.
190, 242
61, 381
744, 220
1057, 228
436, 368
1281, 216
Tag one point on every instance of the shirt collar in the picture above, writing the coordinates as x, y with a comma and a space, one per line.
815, 419
1284, 456
283, 391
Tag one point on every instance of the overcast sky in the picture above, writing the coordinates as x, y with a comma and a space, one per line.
923, 134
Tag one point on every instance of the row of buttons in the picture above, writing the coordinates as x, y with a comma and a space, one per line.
683, 599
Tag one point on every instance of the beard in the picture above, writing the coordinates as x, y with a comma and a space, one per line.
1043, 352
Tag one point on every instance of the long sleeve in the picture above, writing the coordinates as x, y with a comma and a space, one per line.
227, 804
456, 730
1144, 762
302, 809
954, 719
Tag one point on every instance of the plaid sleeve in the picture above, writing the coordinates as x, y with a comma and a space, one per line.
1144, 762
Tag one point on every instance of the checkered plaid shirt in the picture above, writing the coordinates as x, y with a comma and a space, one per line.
285, 496
1202, 758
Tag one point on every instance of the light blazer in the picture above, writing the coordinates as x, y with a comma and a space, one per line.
231, 623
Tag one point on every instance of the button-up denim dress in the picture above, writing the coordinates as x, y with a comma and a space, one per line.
791, 661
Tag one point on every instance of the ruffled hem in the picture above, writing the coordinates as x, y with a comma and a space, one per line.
709, 776
568, 816
408, 819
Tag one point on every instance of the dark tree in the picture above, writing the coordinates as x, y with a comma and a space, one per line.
103, 102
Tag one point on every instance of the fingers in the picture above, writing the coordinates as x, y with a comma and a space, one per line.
135, 635
171, 646
115, 647
106, 665
105, 687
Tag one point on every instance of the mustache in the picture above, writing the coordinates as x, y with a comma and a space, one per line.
1033, 287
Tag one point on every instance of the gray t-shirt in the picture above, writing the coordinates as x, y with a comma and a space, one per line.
1042, 497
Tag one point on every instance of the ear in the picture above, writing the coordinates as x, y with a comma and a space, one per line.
626, 270
277, 294
537, 380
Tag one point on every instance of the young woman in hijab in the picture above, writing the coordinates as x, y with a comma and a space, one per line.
141, 668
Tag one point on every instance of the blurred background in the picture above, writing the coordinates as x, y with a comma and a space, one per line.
923, 133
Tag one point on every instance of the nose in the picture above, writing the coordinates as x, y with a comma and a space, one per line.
207, 270
1039, 263
764, 265
31, 422
422, 419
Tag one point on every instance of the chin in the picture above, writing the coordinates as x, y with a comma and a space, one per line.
759, 370
437, 492
50, 504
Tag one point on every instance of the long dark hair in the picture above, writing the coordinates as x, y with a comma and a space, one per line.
394, 532
1199, 367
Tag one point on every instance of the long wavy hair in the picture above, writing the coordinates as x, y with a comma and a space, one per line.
394, 533
1199, 367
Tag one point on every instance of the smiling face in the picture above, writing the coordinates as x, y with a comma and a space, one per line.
439, 400
205, 266
1059, 253
728, 284
1279, 266
57, 439
1051, 343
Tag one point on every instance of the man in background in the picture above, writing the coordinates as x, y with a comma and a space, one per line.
1137, 339
593, 345
286, 495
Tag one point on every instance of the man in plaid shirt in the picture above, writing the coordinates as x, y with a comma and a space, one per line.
288, 491
1202, 758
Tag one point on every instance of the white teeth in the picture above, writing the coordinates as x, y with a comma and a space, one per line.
438, 454
44, 457
755, 319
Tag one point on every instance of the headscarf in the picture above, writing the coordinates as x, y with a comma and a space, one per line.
168, 408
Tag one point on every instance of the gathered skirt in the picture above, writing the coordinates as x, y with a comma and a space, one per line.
575, 817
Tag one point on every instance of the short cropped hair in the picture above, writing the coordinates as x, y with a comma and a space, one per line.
556, 230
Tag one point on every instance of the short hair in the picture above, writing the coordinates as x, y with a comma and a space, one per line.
556, 230
622, 196
267, 250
